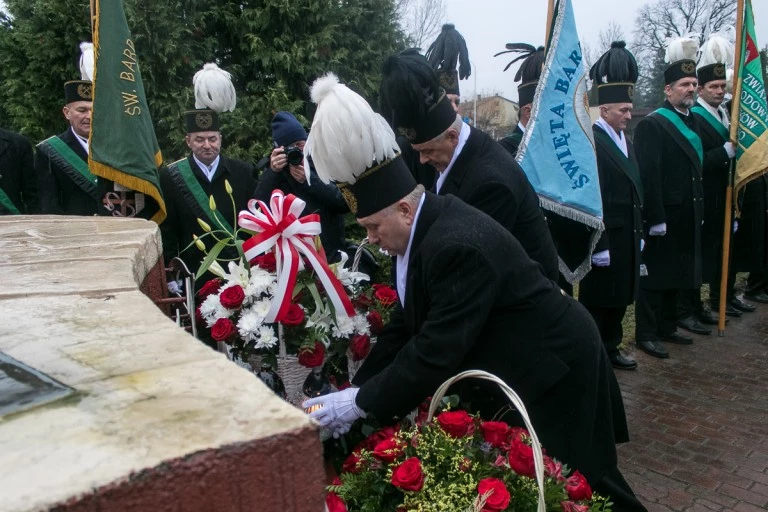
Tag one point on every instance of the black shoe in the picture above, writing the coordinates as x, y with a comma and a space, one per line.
623, 363
707, 317
690, 324
761, 297
739, 304
653, 348
678, 338
732, 311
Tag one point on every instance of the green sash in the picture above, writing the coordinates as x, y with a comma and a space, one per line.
694, 141
193, 193
6, 203
628, 165
70, 162
712, 120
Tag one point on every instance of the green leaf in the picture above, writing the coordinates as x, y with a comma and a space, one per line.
210, 258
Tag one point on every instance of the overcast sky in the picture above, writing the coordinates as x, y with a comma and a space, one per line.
487, 25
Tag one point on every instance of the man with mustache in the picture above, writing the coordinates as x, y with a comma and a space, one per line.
670, 155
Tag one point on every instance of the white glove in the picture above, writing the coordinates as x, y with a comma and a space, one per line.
338, 409
658, 229
174, 287
735, 226
601, 259
340, 431
642, 245
728, 146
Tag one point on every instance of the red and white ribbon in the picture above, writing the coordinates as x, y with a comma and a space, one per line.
280, 228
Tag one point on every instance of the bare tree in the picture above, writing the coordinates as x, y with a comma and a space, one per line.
613, 32
421, 20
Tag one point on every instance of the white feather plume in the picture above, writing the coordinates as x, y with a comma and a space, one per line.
214, 89
684, 47
347, 136
729, 80
87, 61
718, 49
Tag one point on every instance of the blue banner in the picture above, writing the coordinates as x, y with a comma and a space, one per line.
557, 152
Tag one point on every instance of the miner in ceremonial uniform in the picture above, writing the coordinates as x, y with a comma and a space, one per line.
613, 282
470, 164
472, 299
67, 186
18, 183
670, 155
189, 183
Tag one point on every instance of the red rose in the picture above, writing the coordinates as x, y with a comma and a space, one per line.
208, 288
314, 357
293, 316
389, 450
223, 329
456, 423
495, 432
408, 475
380, 435
521, 458
578, 488
232, 297
569, 506
352, 463
362, 301
499, 497
360, 346
518, 433
334, 503
553, 469
376, 322
385, 295
266, 262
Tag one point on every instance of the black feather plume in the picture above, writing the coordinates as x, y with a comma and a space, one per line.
448, 49
532, 57
615, 65
409, 88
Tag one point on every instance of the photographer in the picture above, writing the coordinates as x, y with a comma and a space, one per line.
286, 172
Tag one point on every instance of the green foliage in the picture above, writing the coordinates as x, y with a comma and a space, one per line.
273, 48
650, 86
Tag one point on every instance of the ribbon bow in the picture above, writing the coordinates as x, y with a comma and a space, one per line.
291, 236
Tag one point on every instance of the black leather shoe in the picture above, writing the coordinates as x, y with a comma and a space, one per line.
739, 304
732, 311
690, 324
653, 348
678, 338
707, 317
761, 297
623, 363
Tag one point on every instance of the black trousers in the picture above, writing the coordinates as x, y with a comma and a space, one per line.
608, 320
757, 282
616, 487
655, 314
714, 290
689, 303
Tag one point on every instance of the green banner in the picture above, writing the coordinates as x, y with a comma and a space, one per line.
752, 129
123, 145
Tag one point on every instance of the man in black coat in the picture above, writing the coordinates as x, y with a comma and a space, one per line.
750, 242
613, 282
188, 184
472, 299
470, 165
18, 183
669, 155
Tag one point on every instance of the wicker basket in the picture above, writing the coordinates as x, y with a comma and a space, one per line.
538, 457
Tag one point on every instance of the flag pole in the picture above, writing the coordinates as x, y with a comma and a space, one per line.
93, 16
550, 14
735, 105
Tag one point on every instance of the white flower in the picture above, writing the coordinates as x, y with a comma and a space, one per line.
260, 282
267, 338
249, 324
261, 308
347, 277
344, 327
361, 324
211, 310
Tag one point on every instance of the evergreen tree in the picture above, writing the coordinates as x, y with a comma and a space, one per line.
649, 92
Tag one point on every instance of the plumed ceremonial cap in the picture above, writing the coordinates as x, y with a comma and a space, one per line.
615, 74
214, 93
78, 90
412, 99
286, 129
354, 147
530, 69
201, 120
715, 56
444, 53
681, 58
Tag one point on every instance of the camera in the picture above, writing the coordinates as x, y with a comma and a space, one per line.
294, 155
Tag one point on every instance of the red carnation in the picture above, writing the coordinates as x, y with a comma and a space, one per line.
375, 321
408, 475
293, 316
386, 295
223, 329
314, 357
360, 346
209, 288
495, 432
266, 262
578, 488
456, 423
232, 297
334, 503
388, 451
521, 458
499, 497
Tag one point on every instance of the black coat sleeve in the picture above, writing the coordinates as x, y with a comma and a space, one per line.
325, 195
648, 146
268, 182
